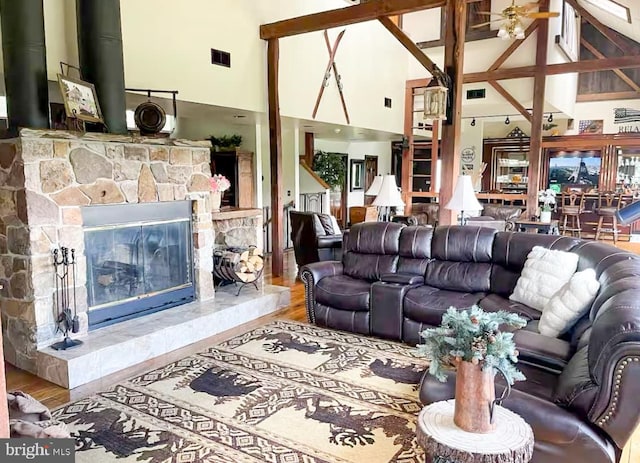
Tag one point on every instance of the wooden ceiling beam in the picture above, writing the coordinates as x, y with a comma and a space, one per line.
514, 46
621, 62
610, 34
409, 44
344, 16
507, 96
586, 97
595, 52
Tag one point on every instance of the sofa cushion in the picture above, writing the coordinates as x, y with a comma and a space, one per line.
510, 251
463, 244
569, 304
499, 212
544, 273
495, 302
415, 249
426, 304
459, 276
344, 292
371, 250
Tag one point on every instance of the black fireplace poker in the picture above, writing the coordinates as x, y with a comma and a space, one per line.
64, 263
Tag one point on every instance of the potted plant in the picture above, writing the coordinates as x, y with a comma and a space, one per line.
219, 184
471, 342
547, 198
225, 142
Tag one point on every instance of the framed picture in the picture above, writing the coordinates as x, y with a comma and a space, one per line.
591, 126
356, 175
80, 100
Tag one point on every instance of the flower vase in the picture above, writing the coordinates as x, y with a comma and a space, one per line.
545, 216
216, 200
475, 392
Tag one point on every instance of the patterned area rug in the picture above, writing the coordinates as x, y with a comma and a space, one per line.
286, 392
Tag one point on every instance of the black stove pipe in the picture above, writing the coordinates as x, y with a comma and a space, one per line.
101, 60
25, 63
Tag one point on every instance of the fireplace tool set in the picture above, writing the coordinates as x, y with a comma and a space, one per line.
64, 262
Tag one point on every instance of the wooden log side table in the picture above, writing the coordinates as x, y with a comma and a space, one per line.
444, 442
535, 226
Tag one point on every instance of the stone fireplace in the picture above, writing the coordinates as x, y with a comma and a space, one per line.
55, 185
139, 259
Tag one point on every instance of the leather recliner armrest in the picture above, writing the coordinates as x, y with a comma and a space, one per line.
318, 270
330, 241
541, 350
402, 278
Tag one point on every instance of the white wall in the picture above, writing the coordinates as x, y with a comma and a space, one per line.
604, 110
202, 128
358, 150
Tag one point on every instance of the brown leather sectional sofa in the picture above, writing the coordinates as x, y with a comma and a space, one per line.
582, 393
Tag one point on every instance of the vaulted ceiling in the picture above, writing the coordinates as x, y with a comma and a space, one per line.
631, 30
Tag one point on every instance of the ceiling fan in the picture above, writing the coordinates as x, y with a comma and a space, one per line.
512, 17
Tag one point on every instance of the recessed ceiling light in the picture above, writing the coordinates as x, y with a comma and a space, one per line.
337, 130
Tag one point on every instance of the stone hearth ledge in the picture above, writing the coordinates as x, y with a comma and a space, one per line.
114, 348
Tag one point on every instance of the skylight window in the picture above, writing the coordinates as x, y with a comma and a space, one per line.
611, 7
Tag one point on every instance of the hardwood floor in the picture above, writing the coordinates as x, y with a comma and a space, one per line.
53, 396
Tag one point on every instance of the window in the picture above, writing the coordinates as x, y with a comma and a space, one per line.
611, 7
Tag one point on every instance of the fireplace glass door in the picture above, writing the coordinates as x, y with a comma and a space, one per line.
137, 267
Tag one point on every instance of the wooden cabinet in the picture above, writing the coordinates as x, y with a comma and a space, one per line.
238, 167
246, 180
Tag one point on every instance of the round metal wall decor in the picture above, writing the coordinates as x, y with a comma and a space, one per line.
150, 118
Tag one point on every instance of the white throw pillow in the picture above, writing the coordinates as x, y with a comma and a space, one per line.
336, 227
544, 273
569, 304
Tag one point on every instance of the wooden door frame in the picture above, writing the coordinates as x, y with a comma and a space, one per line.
369, 199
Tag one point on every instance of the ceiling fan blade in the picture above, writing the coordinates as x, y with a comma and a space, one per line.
488, 22
543, 15
529, 6
489, 13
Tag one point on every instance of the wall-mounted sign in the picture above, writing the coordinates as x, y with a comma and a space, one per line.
591, 126
627, 116
468, 154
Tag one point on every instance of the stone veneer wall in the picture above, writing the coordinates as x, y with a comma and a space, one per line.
45, 179
238, 231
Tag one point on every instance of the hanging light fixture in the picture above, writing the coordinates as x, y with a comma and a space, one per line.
435, 96
507, 121
473, 122
550, 118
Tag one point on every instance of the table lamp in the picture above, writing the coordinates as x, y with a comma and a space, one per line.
374, 189
464, 198
389, 196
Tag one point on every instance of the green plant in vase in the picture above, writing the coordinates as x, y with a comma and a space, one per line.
470, 341
331, 168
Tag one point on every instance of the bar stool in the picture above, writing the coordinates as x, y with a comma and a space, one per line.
572, 204
608, 205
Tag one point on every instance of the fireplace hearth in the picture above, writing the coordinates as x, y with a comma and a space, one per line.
139, 259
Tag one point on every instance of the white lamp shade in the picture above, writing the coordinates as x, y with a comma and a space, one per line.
374, 189
389, 195
464, 198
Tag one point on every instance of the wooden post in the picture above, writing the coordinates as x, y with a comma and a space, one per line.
309, 148
275, 150
456, 23
539, 83
4, 412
